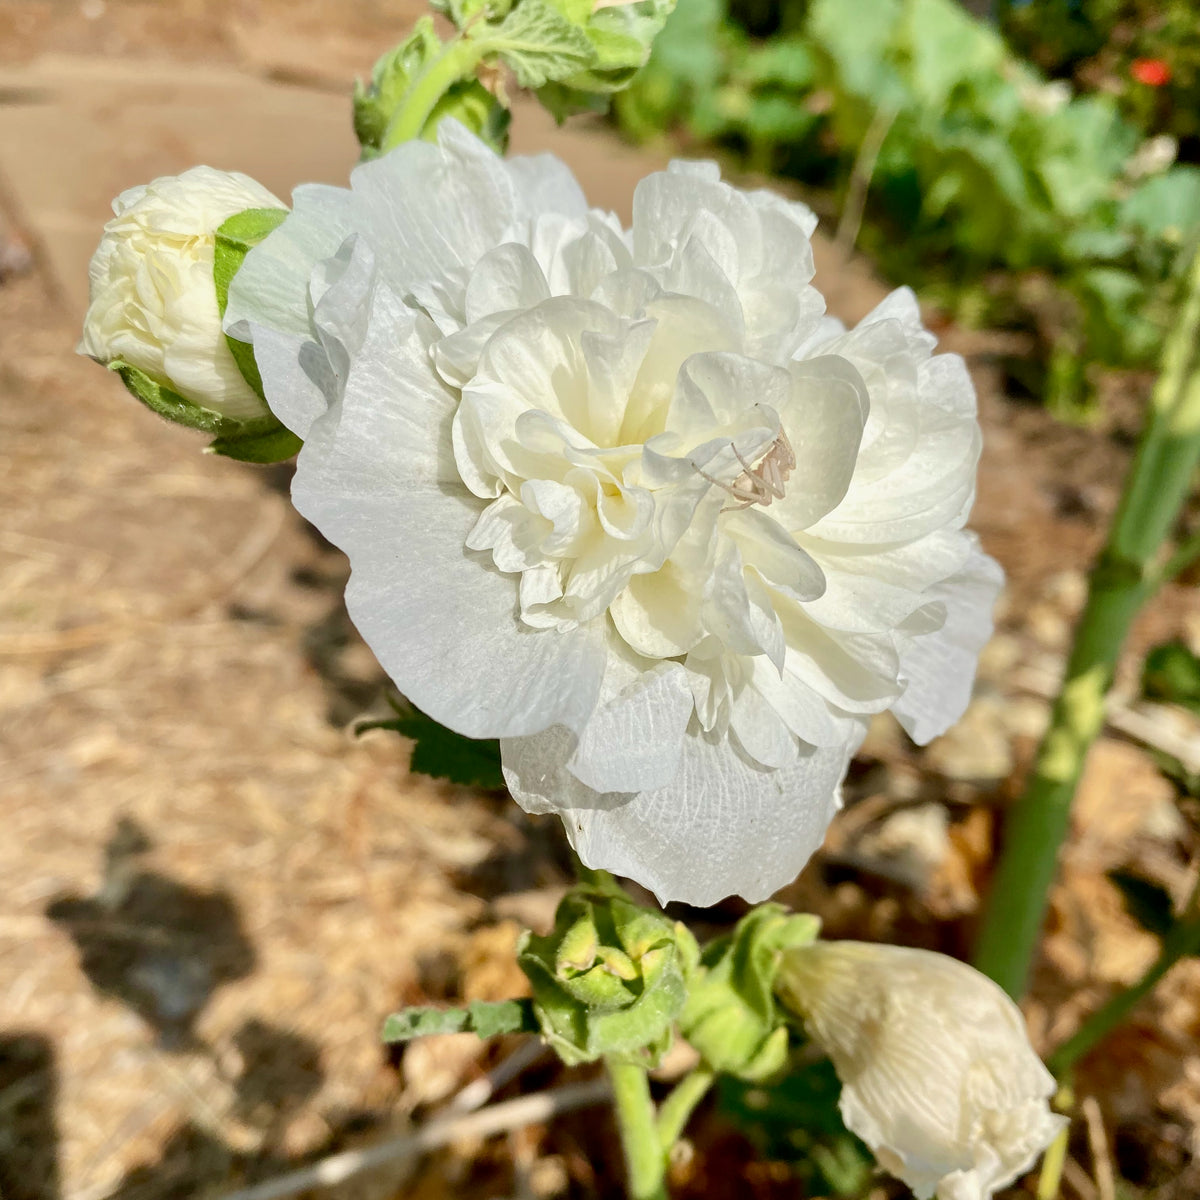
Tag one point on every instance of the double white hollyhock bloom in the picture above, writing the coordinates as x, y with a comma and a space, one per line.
152, 301
938, 1076
626, 499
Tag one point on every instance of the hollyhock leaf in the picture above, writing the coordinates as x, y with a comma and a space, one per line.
443, 754
487, 1019
539, 44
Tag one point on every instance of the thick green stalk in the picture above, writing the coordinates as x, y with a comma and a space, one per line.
455, 63
1181, 941
1125, 576
645, 1158
677, 1108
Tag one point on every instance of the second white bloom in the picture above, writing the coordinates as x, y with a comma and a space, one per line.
626, 499
938, 1076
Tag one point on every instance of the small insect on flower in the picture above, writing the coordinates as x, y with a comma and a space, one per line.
626, 499
762, 483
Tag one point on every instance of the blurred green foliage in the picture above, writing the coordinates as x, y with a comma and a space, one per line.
1100, 42
1008, 197
1172, 673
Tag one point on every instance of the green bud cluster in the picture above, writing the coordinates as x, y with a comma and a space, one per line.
572, 53
611, 979
394, 86
731, 1016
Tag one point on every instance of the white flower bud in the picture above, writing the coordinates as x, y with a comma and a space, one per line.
938, 1076
153, 304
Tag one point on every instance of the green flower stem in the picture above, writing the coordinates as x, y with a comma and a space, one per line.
677, 1108
645, 1158
1055, 1158
456, 62
1182, 941
1125, 576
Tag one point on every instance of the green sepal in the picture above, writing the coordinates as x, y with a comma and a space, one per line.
611, 979
731, 1016
262, 440
159, 398
236, 237
269, 443
472, 105
486, 1019
440, 752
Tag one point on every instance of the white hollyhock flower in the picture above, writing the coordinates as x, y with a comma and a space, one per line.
152, 301
938, 1076
626, 499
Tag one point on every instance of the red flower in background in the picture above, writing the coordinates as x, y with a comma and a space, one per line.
1153, 72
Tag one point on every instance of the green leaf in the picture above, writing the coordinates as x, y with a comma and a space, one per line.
1166, 206
1172, 673
945, 47
483, 1018
1148, 903
538, 44
463, 12
441, 753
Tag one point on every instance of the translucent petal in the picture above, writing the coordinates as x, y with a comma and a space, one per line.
938, 669
721, 827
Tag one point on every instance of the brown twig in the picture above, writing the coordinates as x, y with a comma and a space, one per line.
485, 1122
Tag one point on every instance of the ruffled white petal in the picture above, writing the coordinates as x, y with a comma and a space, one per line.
271, 286
722, 826
377, 477
938, 669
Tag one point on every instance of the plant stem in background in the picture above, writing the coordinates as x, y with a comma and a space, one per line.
1127, 573
645, 1158
860, 178
1181, 941
678, 1107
